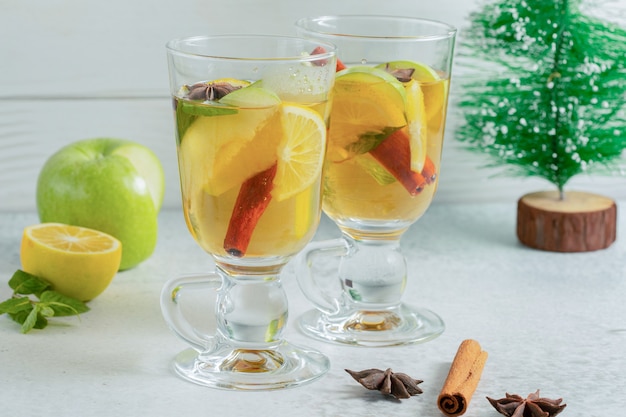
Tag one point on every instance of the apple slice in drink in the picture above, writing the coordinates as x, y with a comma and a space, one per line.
366, 101
434, 89
227, 142
251, 97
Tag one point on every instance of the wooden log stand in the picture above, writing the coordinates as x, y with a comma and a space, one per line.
580, 222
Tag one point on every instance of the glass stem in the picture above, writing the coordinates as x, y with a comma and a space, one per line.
374, 273
252, 310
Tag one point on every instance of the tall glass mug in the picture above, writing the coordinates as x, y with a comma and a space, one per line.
382, 168
251, 116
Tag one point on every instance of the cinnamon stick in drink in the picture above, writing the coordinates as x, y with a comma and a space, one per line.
253, 198
429, 172
394, 153
321, 50
462, 379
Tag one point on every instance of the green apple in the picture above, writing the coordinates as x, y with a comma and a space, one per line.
112, 185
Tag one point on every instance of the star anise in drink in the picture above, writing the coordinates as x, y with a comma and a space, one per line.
403, 75
210, 91
388, 382
532, 406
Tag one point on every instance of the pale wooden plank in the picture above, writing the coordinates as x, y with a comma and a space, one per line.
110, 58
116, 48
31, 131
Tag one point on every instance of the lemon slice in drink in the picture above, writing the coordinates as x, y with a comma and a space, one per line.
425, 99
417, 125
300, 152
77, 261
366, 100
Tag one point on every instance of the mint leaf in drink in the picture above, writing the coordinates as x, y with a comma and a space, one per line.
187, 112
370, 140
183, 120
198, 109
24, 283
376, 170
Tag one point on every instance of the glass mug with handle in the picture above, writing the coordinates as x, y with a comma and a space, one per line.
251, 116
382, 169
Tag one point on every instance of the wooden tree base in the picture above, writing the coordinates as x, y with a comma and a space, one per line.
581, 222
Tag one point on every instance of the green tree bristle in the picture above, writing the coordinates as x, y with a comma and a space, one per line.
545, 92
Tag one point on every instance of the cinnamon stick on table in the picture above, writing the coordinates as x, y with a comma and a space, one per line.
462, 379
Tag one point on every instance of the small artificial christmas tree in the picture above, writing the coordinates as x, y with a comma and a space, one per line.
548, 100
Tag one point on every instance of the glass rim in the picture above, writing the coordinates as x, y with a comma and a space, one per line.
447, 30
175, 47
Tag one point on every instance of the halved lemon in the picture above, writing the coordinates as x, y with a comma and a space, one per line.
300, 152
79, 262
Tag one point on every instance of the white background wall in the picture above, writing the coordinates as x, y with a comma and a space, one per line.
74, 69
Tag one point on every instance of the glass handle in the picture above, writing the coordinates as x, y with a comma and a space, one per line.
172, 307
323, 289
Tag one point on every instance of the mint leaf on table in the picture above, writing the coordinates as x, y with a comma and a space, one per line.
31, 320
21, 317
34, 313
24, 283
15, 305
62, 305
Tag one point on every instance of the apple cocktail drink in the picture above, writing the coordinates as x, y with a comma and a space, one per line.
250, 167
251, 135
382, 165
385, 143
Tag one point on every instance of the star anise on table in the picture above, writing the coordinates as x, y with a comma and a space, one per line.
388, 382
532, 406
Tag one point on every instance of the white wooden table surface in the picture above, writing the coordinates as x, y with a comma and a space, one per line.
550, 321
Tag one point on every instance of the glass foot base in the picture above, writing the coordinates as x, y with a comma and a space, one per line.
248, 369
390, 327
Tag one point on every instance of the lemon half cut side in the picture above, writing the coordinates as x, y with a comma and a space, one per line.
77, 261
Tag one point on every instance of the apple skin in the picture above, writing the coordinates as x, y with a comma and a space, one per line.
112, 185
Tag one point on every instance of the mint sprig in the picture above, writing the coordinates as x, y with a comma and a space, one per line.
370, 140
187, 112
33, 312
